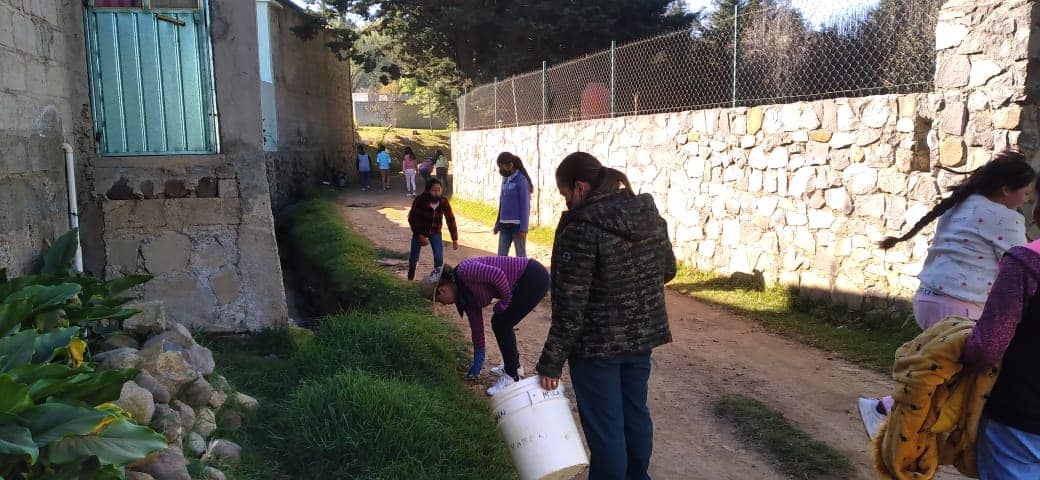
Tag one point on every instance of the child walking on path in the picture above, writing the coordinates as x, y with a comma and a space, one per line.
519, 284
383, 159
425, 168
514, 205
428, 213
442, 167
977, 224
410, 167
1007, 334
364, 166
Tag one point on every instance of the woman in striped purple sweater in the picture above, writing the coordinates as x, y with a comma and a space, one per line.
518, 284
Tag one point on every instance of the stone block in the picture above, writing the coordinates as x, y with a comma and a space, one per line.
952, 72
872, 206
860, 179
820, 219
791, 116
953, 118
951, 152
1008, 118
778, 158
846, 118
876, 113
755, 116
949, 35
905, 125
907, 106
843, 139
892, 181
122, 253
868, 137
169, 252
837, 198
982, 71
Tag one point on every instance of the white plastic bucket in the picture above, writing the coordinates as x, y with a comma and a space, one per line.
540, 431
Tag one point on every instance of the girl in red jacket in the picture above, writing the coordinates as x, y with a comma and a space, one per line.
425, 218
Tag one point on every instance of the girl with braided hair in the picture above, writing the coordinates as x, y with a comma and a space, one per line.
978, 222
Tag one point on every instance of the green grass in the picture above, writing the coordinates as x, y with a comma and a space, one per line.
376, 392
487, 214
796, 453
869, 339
423, 142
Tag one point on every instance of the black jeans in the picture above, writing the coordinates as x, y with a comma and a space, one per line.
529, 290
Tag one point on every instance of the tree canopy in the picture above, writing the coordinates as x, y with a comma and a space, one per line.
449, 44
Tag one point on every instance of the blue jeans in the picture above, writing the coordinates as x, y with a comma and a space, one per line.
611, 394
507, 235
366, 179
1006, 453
438, 251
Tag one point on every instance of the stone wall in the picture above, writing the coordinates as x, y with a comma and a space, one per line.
802, 192
315, 117
34, 116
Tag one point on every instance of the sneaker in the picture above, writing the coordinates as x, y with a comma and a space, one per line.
501, 371
503, 382
871, 414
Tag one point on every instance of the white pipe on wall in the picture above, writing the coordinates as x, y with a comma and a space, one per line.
70, 182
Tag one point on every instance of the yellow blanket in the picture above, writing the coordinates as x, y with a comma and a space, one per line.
936, 415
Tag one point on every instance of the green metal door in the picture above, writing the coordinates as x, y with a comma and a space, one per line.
151, 82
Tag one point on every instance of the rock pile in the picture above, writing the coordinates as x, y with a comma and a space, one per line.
177, 394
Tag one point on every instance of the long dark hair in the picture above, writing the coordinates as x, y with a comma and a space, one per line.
431, 182
506, 157
583, 167
1007, 169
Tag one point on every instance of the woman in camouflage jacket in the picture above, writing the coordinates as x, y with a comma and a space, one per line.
611, 259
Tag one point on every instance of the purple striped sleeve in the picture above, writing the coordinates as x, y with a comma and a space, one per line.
1011, 290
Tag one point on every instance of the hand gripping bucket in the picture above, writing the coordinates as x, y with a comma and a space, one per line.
540, 431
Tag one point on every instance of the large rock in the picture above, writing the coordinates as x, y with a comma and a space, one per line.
138, 476
115, 342
166, 464
223, 452
218, 399
194, 445
150, 321
200, 358
172, 371
952, 72
168, 423
118, 359
838, 199
248, 403
949, 35
148, 382
186, 413
137, 401
982, 71
860, 179
210, 473
197, 393
205, 422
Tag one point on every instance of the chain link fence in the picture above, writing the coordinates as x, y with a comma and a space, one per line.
767, 56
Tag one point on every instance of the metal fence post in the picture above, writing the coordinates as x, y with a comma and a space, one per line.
736, 41
544, 99
613, 71
496, 102
465, 100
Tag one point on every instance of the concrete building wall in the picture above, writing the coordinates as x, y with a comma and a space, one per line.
35, 114
801, 192
314, 110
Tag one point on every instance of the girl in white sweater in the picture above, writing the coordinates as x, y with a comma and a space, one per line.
978, 222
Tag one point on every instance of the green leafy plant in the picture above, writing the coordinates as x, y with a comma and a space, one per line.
56, 416
62, 297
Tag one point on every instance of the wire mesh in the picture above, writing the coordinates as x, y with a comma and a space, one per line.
764, 56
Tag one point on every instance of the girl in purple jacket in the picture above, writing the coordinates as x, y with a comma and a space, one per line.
519, 284
514, 205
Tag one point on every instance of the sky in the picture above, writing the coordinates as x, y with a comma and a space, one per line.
817, 13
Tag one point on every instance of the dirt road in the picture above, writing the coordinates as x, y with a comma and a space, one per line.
714, 352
